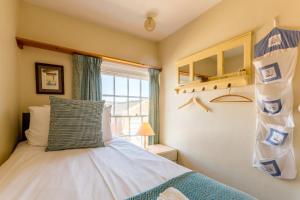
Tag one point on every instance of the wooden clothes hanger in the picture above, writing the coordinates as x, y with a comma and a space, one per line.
197, 102
222, 98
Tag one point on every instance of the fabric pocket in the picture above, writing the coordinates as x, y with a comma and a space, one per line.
272, 69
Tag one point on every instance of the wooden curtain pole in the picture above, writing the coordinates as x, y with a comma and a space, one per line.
21, 42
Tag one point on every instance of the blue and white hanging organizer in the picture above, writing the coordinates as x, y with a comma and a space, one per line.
275, 62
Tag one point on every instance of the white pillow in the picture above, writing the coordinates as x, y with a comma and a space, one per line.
106, 121
37, 134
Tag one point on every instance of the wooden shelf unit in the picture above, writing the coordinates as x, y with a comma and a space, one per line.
222, 80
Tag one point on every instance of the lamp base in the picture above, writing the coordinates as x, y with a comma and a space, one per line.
145, 142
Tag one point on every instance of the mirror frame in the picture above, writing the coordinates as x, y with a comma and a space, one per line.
179, 74
244, 40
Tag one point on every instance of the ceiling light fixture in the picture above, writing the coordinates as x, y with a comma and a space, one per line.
149, 24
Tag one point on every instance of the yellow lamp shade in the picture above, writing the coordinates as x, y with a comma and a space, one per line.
145, 130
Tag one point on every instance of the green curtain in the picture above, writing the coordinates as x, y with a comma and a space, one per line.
154, 104
87, 78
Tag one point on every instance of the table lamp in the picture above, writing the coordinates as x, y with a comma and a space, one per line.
145, 130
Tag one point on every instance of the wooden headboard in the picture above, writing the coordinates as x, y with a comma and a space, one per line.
25, 125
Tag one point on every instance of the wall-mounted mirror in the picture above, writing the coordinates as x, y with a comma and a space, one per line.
227, 63
205, 68
184, 74
233, 60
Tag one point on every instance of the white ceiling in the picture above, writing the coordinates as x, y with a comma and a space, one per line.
129, 15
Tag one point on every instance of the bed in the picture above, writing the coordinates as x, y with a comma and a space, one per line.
120, 170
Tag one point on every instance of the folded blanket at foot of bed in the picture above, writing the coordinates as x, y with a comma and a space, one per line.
171, 194
196, 186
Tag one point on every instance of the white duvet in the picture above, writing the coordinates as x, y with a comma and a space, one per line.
117, 171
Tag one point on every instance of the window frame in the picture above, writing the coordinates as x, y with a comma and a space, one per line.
127, 96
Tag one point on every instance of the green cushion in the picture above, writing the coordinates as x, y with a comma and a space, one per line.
75, 124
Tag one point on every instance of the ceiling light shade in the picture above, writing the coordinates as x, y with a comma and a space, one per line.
149, 24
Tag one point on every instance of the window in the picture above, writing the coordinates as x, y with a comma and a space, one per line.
129, 98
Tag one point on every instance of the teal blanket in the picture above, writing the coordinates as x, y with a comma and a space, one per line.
196, 186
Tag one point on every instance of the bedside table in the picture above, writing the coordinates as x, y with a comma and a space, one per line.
164, 151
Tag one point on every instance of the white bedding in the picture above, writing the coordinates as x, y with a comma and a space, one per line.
117, 171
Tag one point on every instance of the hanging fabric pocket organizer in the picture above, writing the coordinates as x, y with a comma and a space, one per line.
275, 62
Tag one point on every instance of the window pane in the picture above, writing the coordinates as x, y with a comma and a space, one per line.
108, 102
134, 87
121, 86
145, 88
120, 126
107, 84
121, 108
145, 119
126, 112
145, 106
135, 123
134, 106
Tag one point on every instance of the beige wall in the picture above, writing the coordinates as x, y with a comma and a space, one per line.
47, 26
220, 144
26, 71
43, 25
8, 77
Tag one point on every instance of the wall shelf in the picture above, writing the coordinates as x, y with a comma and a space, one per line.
224, 65
196, 86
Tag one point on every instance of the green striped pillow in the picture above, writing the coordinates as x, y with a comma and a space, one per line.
75, 124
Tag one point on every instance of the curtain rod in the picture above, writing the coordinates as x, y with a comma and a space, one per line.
21, 42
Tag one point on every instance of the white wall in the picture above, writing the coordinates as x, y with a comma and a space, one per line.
220, 144
8, 77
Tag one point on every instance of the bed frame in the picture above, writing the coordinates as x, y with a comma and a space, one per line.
25, 125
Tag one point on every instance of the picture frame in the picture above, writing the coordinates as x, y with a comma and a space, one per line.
49, 78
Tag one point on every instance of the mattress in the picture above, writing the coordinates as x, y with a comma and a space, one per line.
117, 171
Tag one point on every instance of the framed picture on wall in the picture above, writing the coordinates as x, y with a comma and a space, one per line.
49, 78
